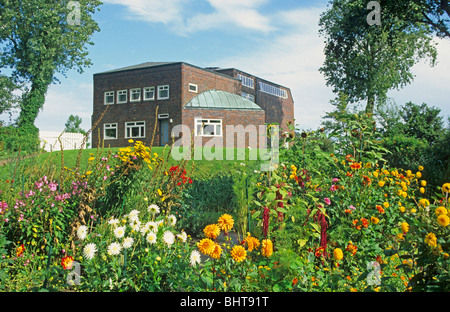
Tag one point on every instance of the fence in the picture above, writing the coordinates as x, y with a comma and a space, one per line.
49, 140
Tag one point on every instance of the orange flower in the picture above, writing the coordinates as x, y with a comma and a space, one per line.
365, 222
226, 222
266, 247
351, 248
252, 242
67, 262
294, 281
355, 165
20, 250
380, 209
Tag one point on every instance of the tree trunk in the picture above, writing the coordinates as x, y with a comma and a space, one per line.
32, 103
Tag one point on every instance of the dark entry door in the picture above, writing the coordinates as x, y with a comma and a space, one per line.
164, 131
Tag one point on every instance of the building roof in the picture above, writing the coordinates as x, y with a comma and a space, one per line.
138, 66
215, 99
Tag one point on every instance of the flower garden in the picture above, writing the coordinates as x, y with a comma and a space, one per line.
132, 221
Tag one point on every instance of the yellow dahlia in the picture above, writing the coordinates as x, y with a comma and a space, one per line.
266, 247
238, 253
446, 187
440, 211
252, 242
206, 246
338, 254
211, 231
226, 222
443, 220
405, 227
217, 251
431, 240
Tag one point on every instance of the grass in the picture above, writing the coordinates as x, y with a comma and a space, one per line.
205, 164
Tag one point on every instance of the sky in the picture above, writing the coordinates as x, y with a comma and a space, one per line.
275, 40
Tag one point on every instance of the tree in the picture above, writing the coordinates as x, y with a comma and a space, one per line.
366, 61
8, 100
73, 125
39, 39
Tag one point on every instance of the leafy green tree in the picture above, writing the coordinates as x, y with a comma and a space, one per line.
73, 124
8, 100
366, 61
40, 39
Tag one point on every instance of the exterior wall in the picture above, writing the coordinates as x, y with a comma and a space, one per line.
278, 110
136, 111
229, 117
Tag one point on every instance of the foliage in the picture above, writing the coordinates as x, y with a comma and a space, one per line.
38, 42
366, 61
73, 124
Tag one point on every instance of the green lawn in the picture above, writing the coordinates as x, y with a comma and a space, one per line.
220, 161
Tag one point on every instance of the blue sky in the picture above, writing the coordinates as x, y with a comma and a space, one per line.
276, 40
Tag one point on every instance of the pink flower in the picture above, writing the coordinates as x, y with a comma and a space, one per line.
327, 200
335, 179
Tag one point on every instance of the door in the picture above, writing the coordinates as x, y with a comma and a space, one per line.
164, 131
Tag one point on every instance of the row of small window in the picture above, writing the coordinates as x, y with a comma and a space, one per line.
136, 129
136, 95
266, 88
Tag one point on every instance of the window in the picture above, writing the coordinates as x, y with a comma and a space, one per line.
135, 95
109, 97
163, 92
135, 129
122, 96
246, 81
193, 88
149, 93
110, 131
266, 88
208, 127
248, 96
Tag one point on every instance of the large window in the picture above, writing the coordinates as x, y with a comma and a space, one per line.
267, 88
163, 92
109, 97
122, 96
110, 131
135, 129
135, 95
149, 93
208, 127
246, 81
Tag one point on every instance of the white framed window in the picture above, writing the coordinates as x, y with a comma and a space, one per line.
149, 93
267, 88
246, 81
163, 92
122, 96
193, 88
109, 97
248, 96
135, 95
110, 131
208, 127
135, 129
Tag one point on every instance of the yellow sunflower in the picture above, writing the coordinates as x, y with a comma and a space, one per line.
443, 220
211, 231
338, 254
238, 253
446, 187
206, 246
440, 211
226, 222
431, 240
266, 247
217, 251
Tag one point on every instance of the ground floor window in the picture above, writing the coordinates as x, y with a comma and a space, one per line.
208, 127
110, 131
135, 129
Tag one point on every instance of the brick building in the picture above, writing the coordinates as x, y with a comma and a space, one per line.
146, 101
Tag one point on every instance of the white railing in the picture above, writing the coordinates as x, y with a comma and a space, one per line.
49, 140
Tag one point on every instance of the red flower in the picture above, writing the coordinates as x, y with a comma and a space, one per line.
67, 262
20, 250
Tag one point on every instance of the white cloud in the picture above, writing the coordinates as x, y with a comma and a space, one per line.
63, 100
180, 19
292, 58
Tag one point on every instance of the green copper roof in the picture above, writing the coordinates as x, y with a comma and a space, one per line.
215, 99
